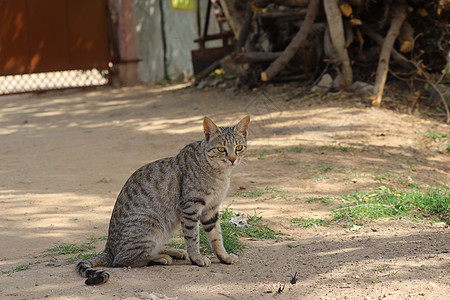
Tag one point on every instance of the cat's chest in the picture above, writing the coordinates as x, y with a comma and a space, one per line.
217, 193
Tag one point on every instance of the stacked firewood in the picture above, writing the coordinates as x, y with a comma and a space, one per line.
364, 40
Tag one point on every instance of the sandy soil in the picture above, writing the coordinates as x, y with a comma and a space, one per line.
65, 156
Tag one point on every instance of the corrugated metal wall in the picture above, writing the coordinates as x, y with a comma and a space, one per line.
180, 31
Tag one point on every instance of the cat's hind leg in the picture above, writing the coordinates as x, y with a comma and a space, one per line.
143, 258
178, 254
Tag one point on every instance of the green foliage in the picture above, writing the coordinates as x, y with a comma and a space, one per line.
435, 135
306, 223
320, 177
323, 200
323, 168
75, 251
264, 194
296, 149
384, 203
256, 229
68, 249
21, 268
82, 256
387, 203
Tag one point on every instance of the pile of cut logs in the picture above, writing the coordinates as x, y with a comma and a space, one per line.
361, 40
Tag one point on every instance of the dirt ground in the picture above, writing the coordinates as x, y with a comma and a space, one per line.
65, 156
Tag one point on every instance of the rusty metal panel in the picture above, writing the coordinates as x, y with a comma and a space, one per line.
203, 58
52, 35
88, 28
47, 35
13, 37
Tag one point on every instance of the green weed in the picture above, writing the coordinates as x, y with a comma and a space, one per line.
68, 249
21, 268
82, 256
256, 229
296, 149
384, 203
320, 177
323, 200
384, 176
323, 168
76, 252
309, 222
435, 135
264, 194
260, 155
387, 203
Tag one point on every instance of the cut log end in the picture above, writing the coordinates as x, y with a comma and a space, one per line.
406, 47
264, 76
346, 9
376, 101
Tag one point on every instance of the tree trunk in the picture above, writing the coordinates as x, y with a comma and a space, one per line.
234, 15
336, 28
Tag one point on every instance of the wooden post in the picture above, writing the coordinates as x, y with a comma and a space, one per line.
125, 70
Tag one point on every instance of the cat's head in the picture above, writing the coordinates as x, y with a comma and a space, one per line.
225, 146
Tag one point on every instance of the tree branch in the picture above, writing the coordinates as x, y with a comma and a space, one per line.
399, 13
293, 47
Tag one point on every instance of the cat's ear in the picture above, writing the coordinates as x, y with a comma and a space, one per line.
209, 128
242, 126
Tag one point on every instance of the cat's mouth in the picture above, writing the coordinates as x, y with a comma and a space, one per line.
231, 163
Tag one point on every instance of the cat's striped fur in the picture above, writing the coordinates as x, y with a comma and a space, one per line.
186, 189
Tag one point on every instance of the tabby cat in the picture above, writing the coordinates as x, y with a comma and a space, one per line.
185, 189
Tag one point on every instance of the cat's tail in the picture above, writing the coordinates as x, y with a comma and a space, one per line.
94, 277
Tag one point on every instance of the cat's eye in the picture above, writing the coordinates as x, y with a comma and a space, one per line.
221, 149
239, 148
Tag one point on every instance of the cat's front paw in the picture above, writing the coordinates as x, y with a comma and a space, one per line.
201, 261
230, 259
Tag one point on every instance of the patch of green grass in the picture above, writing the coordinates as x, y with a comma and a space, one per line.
309, 222
352, 176
339, 147
22, 268
76, 252
347, 148
387, 203
82, 256
323, 168
296, 149
384, 176
264, 194
320, 177
68, 249
260, 155
323, 200
256, 229
19, 268
435, 135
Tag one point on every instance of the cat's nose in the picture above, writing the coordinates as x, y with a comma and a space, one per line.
232, 159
